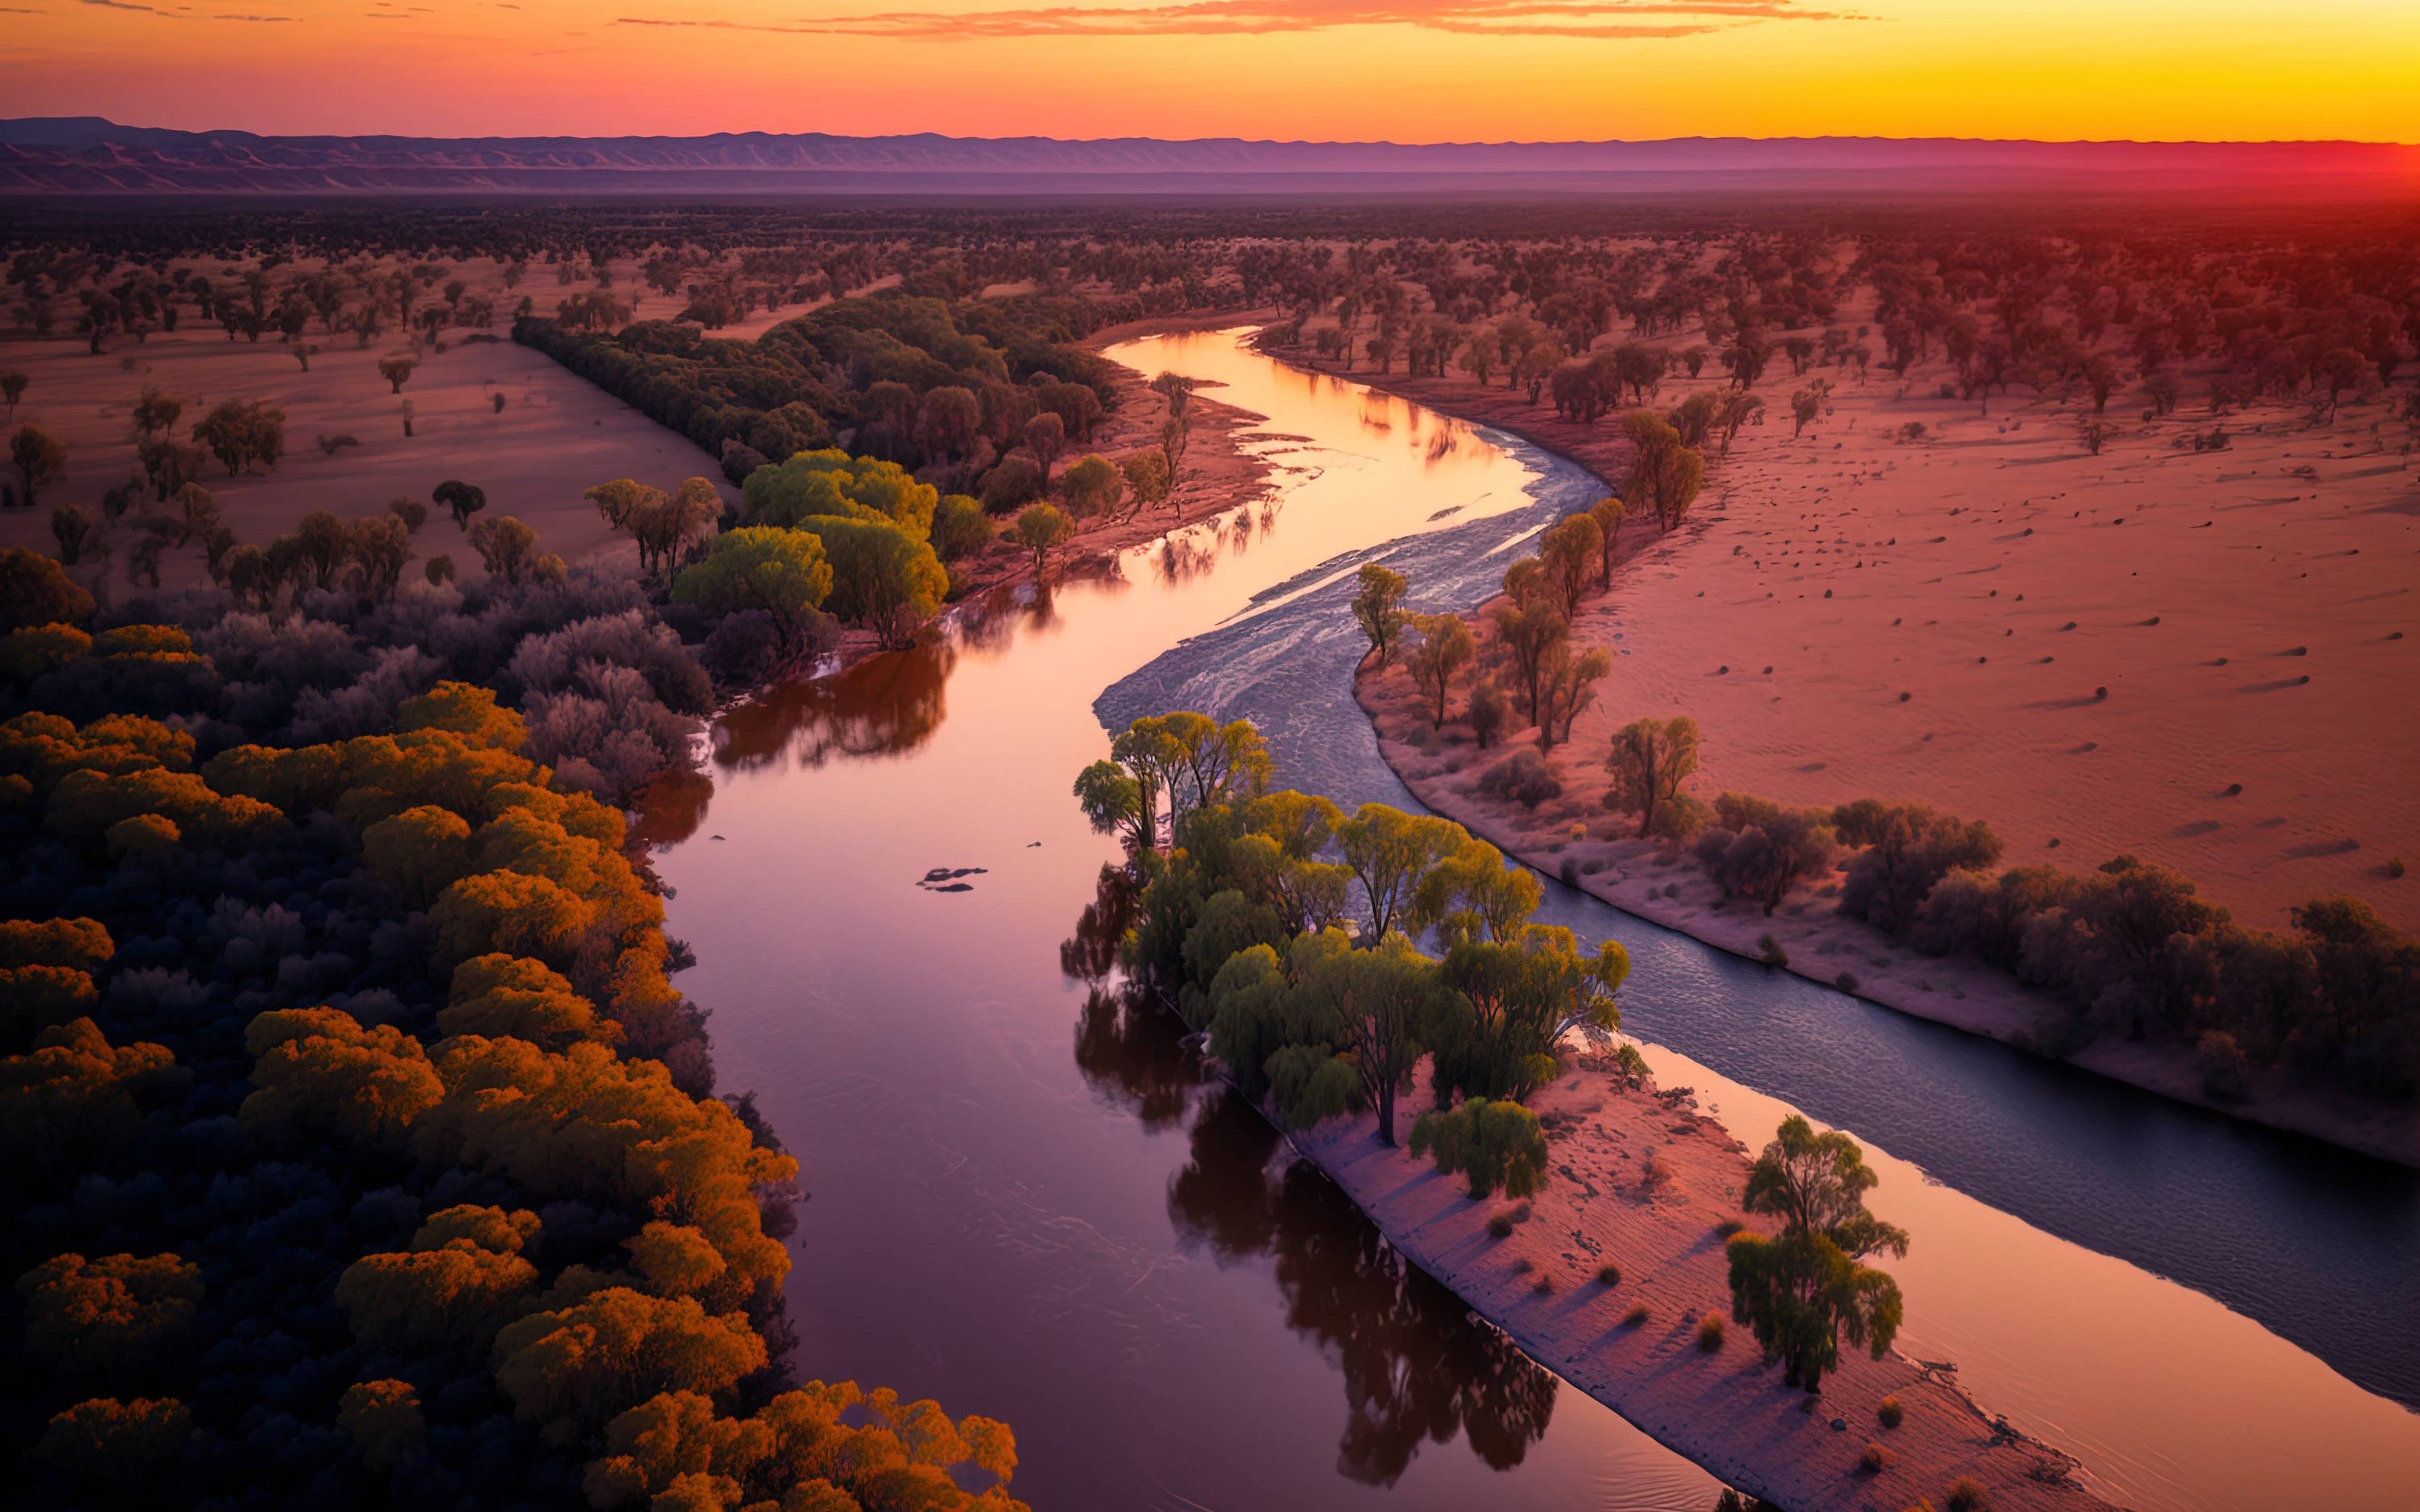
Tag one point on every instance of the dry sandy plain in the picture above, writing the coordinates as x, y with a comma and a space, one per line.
2251, 612
556, 436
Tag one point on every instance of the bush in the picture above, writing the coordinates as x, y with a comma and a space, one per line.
1710, 1333
1499, 1226
1636, 1318
1727, 1227
1488, 713
1525, 778
1758, 849
1494, 1143
1966, 1494
1769, 950
1608, 1275
1875, 1459
1545, 1287
1891, 1411
2223, 1067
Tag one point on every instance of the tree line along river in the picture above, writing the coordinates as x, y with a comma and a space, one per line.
1028, 1202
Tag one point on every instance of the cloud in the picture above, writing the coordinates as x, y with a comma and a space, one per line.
1603, 20
164, 15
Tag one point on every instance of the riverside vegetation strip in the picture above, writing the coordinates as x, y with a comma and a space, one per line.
1614, 1258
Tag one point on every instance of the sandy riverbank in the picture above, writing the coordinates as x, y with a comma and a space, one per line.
1727, 1411
1824, 575
2248, 608
1666, 888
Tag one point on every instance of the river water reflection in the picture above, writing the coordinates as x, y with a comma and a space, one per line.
1028, 1204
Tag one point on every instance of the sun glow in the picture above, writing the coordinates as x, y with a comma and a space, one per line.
1415, 71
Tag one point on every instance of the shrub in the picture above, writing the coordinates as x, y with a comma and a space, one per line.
1769, 950
1636, 1318
1525, 778
1875, 1459
1846, 982
1499, 1226
1891, 1411
1608, 1275
1966, 1494
2221, 1063
1710, 1333
1760, 850
1545, 1285
1494, 1143
1727, 1227
1488, 713
1524, 1266
2394, 869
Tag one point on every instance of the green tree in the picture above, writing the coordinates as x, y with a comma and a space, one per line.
1649, 761
831, 483
1147, 475
396, 371
1608, 513
1444, 648
508, 548
1039, 528
883, 578
664, 525
1378, 609
1390, 852
960, 528
1091, 485
38, 457
784, 573
1663, 474
1528, 632
1566, 687
1494, 1144
1567, 552
1803, 1291
1379, 1009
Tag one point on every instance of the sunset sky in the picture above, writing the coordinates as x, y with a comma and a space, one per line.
1414, 71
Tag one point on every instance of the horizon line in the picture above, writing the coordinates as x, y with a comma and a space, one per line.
1249, 141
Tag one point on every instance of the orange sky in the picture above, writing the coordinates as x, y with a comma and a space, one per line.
1416, 70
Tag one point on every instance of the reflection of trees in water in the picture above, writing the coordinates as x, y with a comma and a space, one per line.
1182, 557
1091, 952
1126, 1059
1417, 1367
672, 807
887, 703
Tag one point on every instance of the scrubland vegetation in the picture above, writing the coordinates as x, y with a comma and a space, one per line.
367, 1149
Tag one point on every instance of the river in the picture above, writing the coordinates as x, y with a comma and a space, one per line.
1027, 1202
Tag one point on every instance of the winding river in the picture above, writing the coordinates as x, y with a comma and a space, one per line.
1028, 1202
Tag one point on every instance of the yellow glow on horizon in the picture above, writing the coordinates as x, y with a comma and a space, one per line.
2055, 70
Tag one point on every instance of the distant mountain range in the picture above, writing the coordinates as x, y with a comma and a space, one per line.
85, 155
